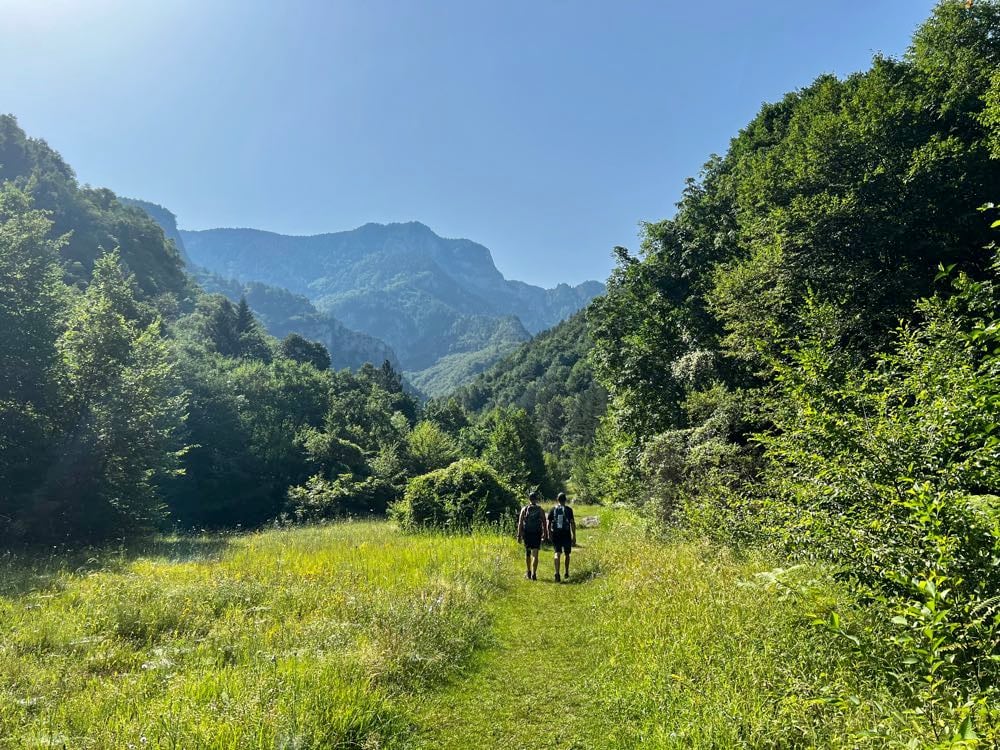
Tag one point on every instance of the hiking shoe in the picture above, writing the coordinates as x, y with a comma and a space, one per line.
557, 578
534, 576
528, 576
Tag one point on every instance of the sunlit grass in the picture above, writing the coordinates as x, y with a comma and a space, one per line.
299, 638
703, 648
356, 635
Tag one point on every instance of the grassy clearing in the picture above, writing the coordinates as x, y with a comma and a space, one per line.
658, 645
532, 686
355, 635
293, 639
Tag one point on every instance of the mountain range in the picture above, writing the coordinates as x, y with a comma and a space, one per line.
440, 304
281, 311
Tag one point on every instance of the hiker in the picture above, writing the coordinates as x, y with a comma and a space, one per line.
531, 529
562, 531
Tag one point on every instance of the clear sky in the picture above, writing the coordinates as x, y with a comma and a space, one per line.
544, 129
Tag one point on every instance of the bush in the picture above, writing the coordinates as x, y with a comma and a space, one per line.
321, 499
891, 472
458, 496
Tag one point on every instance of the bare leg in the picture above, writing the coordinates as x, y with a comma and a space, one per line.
557, 565
527, 560
534, 562
567, 564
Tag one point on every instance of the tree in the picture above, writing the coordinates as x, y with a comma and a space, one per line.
123, 410
513, 450
447, 414
252, 341
387, 381
230, 329
431, 447
32, 302
296, 348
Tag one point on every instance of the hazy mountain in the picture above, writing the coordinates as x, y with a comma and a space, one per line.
279, 310
426, 296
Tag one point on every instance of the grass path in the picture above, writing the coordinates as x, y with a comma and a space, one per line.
532, 688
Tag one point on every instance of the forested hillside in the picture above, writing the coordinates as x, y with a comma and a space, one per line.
833, 212
91, 220
551, 378
282, 313
162, 216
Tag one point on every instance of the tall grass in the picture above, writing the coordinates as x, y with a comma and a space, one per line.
704, 649
299, 638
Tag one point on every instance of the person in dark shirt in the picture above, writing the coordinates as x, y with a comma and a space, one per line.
531, 530
562, 531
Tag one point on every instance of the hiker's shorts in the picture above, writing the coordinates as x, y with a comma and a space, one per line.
562, 543
533, 541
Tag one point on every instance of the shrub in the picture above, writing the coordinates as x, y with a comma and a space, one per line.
465, 493
320, 498
690, 474
891, 473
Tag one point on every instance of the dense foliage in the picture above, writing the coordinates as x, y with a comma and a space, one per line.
91, 402
457, 497
763, 390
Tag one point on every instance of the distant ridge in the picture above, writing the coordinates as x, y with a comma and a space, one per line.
428, 297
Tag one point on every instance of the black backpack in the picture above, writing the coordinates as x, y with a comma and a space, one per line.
560, 519
533, 519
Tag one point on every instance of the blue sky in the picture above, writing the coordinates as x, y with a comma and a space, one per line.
546, 130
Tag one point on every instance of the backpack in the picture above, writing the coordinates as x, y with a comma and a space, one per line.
560, 519
533, 519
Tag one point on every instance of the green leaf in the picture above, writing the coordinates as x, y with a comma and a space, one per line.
965, 730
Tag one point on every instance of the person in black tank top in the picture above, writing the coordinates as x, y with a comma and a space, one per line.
562, 531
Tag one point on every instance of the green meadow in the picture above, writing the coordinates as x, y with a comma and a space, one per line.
356, 635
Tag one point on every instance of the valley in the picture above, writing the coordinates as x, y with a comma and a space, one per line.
269, 491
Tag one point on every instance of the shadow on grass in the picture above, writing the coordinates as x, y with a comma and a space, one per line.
28, 571
583, 573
